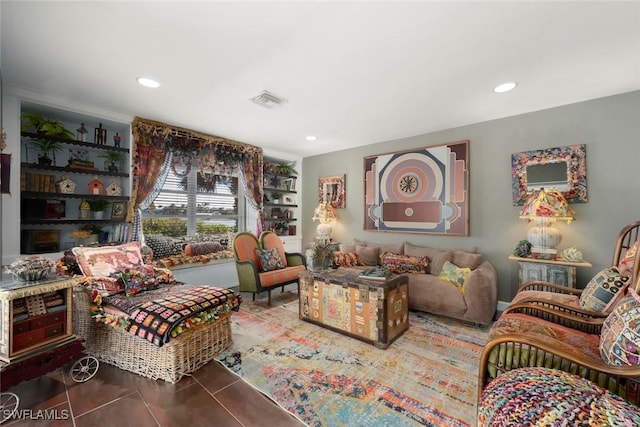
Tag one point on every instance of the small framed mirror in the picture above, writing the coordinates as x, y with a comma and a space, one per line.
563, 168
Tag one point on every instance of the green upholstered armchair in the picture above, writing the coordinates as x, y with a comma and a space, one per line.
256, 275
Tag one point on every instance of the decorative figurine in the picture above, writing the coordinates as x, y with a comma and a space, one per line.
81, 133
114, 189
100, 135
96, 187
66, 186
84, 210
116, 140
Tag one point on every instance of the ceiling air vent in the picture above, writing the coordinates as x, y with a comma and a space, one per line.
268, 100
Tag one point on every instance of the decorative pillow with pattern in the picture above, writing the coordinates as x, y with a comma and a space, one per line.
202, 248
399, 264
347, 259
103, 261
162, 246
270, 259
620, 334
454, 274
139, 279
603, 291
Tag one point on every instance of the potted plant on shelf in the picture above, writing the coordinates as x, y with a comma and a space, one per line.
275, 198
97, 207
47, 146
113, 159
44, 126
287, 168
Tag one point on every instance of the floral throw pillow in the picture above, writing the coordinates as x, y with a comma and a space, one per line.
347, 259
105, 260
269, 259
139, 279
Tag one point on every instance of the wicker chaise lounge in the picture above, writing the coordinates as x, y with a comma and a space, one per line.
179, 357
137, 318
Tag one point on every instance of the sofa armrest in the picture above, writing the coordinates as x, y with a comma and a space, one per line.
481, 293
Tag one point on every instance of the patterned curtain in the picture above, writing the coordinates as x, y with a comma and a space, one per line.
155, 144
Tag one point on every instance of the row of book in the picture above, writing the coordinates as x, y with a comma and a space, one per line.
37, 182
115, 233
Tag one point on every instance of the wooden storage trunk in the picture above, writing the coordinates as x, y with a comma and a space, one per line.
374, 311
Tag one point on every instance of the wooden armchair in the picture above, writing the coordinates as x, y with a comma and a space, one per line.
566, 299
553, 339
252, 275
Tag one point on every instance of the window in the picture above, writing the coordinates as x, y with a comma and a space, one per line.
196, 203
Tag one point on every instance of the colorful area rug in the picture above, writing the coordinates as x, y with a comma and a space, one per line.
428, 376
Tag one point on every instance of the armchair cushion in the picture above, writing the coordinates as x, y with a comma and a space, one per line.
620, 335
570, 340
269, 259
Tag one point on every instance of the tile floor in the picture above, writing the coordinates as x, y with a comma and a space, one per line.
212, 396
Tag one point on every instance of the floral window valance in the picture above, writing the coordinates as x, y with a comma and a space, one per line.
157, 146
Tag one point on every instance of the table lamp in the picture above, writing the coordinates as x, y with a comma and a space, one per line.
544, 208
326, 214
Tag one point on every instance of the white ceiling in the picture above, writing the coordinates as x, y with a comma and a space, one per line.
354, 73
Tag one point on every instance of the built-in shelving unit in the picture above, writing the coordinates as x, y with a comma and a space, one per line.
280, 199
52, 193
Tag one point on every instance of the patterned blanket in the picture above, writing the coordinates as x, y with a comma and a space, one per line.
153, 315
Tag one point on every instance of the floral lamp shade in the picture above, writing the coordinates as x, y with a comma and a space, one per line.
544, 207
547, 204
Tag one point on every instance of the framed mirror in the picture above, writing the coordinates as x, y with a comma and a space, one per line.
331, 189
563, 168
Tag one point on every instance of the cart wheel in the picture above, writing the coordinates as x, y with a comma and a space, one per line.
84, 369
8, 406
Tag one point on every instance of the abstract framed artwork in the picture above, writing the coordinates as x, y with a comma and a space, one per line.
422, 190
331, 189
563, 168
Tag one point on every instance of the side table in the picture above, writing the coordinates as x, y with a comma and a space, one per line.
559, 271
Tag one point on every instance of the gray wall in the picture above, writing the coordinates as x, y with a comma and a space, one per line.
610, 128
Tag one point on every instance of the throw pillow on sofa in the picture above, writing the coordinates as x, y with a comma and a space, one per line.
620, 334
454, 274
604, 290
400, 264
369, 254
347, 259
270, 259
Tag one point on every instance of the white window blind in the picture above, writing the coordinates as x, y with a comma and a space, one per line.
210, 199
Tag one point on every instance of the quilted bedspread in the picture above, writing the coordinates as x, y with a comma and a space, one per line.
154, 314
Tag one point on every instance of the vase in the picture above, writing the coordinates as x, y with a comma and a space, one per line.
97, 214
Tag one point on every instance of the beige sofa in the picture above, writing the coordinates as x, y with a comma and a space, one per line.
475, 302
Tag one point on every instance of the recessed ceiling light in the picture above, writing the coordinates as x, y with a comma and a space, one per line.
311, 138
147, 82
505, 87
